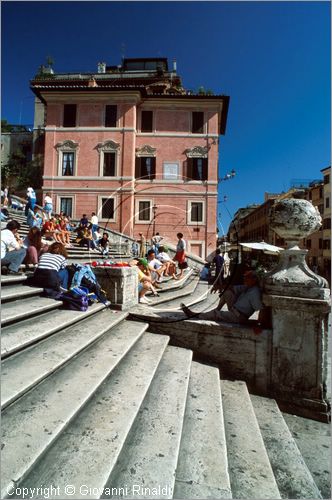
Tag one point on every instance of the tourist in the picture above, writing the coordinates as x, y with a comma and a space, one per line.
94, 223
6, 197
34, 219
180, 255
48, 205
31, 200
103, 244
85, 238
218, 261
155, 241
164, 258
142, 242
84, 222
12, 253
156, 267
51, 271
144, 281
241, 300
34, 246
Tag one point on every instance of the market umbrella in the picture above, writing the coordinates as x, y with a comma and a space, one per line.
265, 247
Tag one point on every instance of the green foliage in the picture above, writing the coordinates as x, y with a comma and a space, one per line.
5, 126
20, 173
202, 91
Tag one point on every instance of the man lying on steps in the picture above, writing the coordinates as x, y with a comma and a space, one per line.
242, 301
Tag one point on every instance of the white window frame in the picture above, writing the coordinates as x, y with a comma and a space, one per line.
137, 211
58, 203
189, 205
178, 176
108, 147
100, 205
67, 147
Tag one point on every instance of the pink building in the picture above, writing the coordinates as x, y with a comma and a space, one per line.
131, 144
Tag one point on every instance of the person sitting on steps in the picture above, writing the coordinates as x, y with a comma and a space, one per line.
242, 301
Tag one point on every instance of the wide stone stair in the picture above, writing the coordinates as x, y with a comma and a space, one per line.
95, 403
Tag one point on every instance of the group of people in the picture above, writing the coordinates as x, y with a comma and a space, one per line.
156, 263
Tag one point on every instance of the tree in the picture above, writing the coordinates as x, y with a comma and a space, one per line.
20, 173
5, 126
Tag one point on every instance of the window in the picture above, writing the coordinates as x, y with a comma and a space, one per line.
326, 179
146, 121
66, 206
144, 211
170, 171
327, 223
68, 164
308, 244
327, 245
110, 115
108, 158
197, 126
327, 202
109, 164
67, 158
69, 115
320, 243
145, 167
197, 169
107, 208
196, 212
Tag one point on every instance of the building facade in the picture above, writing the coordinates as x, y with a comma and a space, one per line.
327, 223
131, 144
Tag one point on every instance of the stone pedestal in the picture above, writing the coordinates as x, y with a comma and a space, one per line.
299, 300
120, 285
299, 355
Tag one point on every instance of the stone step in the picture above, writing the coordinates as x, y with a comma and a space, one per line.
21, 372
21, 309
87, 451
290, 470
194, 292
18, 292
11, 279
149, 456
202, 469
187, 287
18, 336
32, 423
250, 470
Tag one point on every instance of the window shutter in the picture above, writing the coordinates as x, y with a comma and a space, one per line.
138, 167
153, 168
188, 168
205, 169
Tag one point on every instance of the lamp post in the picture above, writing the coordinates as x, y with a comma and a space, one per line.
154, 211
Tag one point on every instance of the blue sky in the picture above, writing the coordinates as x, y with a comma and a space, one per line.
271, 58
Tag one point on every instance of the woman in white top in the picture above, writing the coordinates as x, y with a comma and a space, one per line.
48, 205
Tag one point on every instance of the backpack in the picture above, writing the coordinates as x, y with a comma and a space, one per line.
75, 299
83, 275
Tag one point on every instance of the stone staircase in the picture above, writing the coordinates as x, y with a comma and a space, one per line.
96, 406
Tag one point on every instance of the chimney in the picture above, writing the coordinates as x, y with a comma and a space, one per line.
174, 65
101, 67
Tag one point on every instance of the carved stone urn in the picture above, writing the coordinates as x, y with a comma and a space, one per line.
294, 219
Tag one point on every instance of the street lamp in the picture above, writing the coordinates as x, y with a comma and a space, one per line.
154, 210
